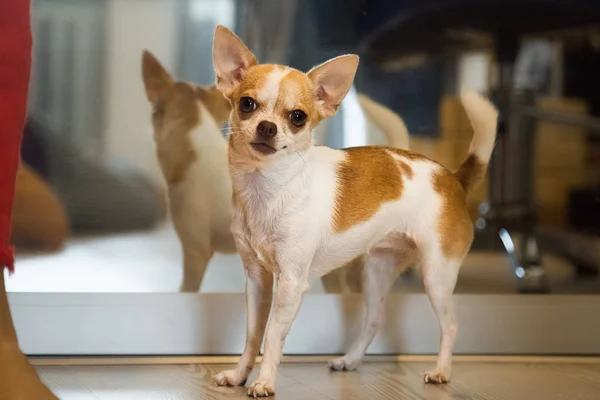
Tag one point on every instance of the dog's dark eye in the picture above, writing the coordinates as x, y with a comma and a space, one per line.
298, 118
247, 104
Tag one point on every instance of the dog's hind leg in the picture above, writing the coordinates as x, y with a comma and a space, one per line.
439, 277
195, 262
381, 268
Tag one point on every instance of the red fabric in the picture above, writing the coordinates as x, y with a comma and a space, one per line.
15, 65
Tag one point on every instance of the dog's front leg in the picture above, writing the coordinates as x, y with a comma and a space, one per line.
290, 289
259, 295
259, 290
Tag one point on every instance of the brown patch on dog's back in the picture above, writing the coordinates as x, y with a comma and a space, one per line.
368, 177
454, 226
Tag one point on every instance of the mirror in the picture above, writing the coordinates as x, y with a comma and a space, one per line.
92, 210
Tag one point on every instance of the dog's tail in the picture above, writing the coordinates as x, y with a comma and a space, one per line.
387, 121
484, 119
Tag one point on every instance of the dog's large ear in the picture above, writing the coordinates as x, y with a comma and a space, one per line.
333, 79
231, 59
156, 79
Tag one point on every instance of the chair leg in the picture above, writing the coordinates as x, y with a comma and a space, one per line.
524, 258
511, 214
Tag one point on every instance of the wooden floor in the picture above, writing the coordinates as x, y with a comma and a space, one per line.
471, 380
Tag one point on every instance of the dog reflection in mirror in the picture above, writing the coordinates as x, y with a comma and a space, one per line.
192, 154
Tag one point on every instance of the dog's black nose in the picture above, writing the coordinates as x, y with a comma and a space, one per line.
266, 130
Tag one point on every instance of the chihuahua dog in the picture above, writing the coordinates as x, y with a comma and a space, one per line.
192, 154
303, 210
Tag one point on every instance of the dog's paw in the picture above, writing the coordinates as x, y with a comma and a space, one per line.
261, 389
229, 378
437, 377
343, 364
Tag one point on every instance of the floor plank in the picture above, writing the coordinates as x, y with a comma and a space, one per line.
471, 380
64, 383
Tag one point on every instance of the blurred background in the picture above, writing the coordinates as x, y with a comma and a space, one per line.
90, 210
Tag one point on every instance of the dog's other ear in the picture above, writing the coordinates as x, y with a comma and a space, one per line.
217, 104
156, 79
333, 79
231, 59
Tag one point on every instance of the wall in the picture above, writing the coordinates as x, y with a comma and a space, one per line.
132, 26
